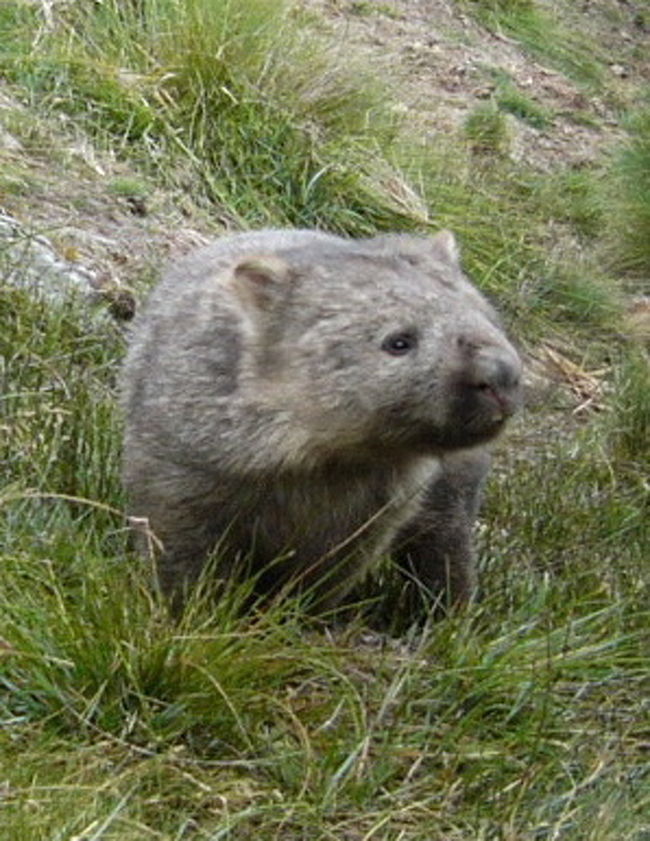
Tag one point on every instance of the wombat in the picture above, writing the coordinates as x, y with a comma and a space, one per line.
307, 405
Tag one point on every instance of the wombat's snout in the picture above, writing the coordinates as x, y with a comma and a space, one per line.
494, 374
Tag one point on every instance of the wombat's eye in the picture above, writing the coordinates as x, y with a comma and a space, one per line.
399, 344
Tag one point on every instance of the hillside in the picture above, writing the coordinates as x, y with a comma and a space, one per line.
132, 132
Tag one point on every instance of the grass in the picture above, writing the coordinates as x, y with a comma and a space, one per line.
523, 718
542, 33
626, 197
128, 187
228, 727
631, 418
514, 102
225, 94
487, 131
572, 197
508, 98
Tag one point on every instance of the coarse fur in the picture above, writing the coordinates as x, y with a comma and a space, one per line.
307, 404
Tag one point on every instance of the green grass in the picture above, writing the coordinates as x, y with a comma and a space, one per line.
514, 102
487, 130
510, 99
525, 717
128, 187
626, 197
630, 420
228, 727
227, 95
503, 5
573, 198
364, 8
57, 379
540, 31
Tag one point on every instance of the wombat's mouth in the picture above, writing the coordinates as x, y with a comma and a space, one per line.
503, 404
478, 415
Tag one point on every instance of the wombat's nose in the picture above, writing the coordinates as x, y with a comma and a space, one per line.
502, 372
497, 372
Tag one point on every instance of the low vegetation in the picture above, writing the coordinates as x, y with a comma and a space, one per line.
523, 718
627, 195
546, 35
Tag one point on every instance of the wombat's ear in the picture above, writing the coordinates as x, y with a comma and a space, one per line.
444, 242
442, 247
259, 281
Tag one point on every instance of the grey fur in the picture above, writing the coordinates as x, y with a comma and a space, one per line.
297, 396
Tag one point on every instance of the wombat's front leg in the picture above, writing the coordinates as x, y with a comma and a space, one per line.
175, 516
436, 547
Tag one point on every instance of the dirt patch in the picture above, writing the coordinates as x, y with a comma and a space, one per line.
445, 65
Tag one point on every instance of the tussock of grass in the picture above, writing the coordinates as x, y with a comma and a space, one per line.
514, 102
487, 130
581, 296
571, 197
626, 198
630, 420
273, 128
607, 514
93, 653
58, 402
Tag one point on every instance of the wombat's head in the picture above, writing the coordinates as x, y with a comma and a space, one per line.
378, 345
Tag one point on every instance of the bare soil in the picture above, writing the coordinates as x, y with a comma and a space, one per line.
444, 61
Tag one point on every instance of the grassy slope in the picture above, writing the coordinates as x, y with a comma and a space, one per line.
525, 718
